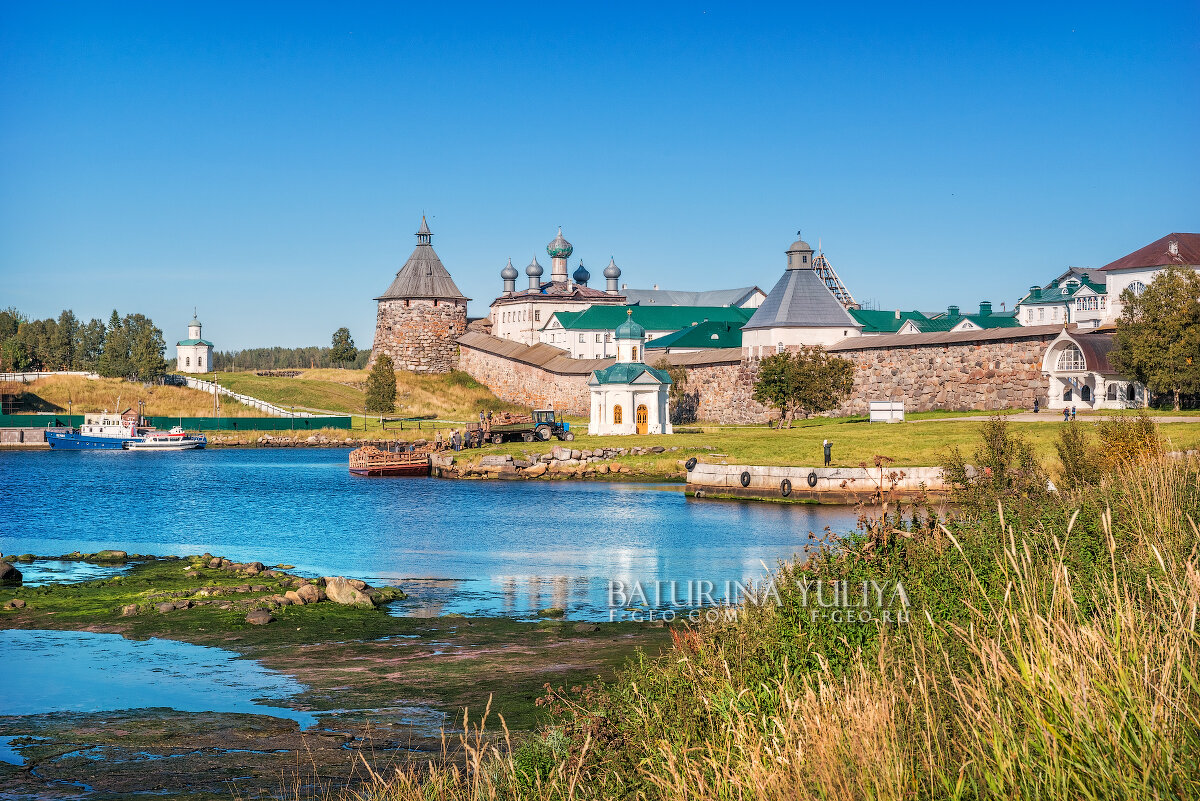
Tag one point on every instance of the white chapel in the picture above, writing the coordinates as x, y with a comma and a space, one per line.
194, 354
630, 397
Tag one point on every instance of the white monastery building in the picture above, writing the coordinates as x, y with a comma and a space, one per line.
194, 354
1140, 267
629, 397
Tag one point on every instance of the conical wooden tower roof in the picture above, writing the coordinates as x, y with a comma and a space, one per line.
423, 275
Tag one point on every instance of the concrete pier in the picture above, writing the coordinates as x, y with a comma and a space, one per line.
23, 438
813, 484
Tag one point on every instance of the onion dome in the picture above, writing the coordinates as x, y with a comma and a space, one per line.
629, 329
559, 248
581, 275
534, 268
509, 273
612, 270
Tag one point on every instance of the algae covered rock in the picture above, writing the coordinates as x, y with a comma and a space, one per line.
110, 556
308, 593
259, 617
341, 591
9, 574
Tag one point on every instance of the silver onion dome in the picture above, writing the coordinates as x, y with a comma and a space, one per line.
509, 273
559, 248
534, 268
612, 270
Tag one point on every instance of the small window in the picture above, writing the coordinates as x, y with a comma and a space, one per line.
1112, 392
779, 348
1138, 288
617, 415
199, 361
633, 353
537, 315
1041, 313
804, 258
187, 362
599, 337
581, 336
1067, 394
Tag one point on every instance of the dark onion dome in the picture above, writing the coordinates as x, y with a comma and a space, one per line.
534, 268
581, 275
612, 270
629, 329
559, 248
509, 273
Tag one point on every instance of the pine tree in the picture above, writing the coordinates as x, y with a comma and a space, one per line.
114, 357
381, 387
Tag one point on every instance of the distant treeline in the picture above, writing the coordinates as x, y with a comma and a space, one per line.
128, 347
286, 358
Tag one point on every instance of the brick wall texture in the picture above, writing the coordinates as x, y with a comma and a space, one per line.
989, 373
420, 334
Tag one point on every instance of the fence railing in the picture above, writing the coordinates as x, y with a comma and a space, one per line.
25, 378
254, 403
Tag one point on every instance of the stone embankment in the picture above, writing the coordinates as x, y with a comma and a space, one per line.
815, 484
559, 463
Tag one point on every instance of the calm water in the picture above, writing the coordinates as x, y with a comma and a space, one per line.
465, 546
106, 672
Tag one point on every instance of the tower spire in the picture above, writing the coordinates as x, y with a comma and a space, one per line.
423, 233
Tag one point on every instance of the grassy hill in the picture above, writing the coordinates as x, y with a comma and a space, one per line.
54, 394
453, 396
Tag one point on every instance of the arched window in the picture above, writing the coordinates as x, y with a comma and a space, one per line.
187, 362
1137, 288
1111, 394
633, 353
1085, 394
617, 415
1071, 359
1130, 394
199, 361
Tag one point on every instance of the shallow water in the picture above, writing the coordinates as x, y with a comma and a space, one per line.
60, 571
493, 547
82, 671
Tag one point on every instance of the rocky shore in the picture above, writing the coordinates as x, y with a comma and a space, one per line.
560, 462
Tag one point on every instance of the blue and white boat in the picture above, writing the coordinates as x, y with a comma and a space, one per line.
102, 431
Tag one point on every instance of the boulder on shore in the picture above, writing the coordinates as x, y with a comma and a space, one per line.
259, 617
293, 597
129, 610
9, 574
111, 556
307, 593
536, 470
15, 603
341, 591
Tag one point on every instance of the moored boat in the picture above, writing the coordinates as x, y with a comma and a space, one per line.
371, 461
102, 431
174, 440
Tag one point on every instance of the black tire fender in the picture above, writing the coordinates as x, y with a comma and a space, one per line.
690, 464
745, 478
785, 488
812, 478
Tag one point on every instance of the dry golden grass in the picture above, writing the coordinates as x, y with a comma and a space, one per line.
55, 393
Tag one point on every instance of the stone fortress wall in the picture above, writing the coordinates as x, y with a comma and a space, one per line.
991, 369
420, 333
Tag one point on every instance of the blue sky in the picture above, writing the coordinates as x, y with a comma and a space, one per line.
269, 162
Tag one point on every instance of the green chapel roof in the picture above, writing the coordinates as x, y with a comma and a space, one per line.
710, 334
627, 373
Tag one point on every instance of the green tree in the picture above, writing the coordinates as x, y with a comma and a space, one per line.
1158, 334
63, 342
343, 349
803, 383
114, 357
146, 347
90, 345
381, 387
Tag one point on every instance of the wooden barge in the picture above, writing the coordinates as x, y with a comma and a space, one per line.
371, 461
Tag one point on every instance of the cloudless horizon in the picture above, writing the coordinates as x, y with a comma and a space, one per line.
268, 163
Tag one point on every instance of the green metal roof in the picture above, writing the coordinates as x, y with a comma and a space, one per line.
194, 342
703, 335
627, 373
884, 322
652, 318
945, 322
1060, 293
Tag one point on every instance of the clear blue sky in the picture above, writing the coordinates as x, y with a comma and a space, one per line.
269, 162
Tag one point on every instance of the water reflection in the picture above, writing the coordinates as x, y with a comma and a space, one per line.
456, 546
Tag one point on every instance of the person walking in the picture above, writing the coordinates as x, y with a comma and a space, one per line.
1066, 413
1036, 406
828, 446
457, 439
1072, 412
437, 439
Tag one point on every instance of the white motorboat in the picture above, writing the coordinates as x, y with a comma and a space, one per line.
174, 440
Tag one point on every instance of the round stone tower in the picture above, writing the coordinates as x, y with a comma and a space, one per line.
422, 314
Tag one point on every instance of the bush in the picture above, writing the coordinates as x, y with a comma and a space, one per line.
1079, 468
